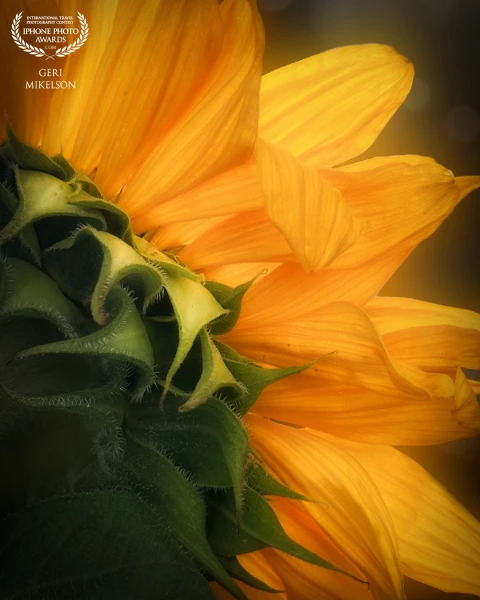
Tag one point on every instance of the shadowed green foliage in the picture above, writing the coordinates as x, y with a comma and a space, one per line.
129, 473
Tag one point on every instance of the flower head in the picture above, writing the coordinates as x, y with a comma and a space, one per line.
196, 261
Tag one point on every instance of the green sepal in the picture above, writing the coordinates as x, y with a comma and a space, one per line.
235, 569
185, 294
70, 262
27, 292
261, 481
231, 300
63, 163
209, 443
162, 261
260, 528
27, 157
26, 245
253, 377
123, 339
100, 545
42, 197
118, 222
159, 482
215, 376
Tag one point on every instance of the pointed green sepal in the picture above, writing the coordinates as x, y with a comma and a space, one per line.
27, 292
209, 443
266, 485
236, 570
47, 200
253, 377
194, 308
260, 528
122, 340
231, 300
32, 159
215, 376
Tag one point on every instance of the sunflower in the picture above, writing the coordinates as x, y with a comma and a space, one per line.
184, 262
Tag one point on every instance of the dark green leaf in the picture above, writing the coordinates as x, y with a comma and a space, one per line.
210, 442
152, 475
100, 545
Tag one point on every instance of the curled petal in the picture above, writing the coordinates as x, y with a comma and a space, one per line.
399, 201
427, 335
288, 292
308, 210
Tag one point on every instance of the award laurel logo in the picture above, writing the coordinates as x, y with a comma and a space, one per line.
49, 35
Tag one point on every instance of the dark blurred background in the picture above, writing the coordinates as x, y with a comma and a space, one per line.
440, 118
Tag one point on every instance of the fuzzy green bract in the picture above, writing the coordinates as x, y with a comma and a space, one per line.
126, 471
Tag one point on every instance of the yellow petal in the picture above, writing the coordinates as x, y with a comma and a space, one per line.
367, 416
177, 235
247, 237
331, 107
311, 213
234, 191
427, 335
302, 580
218, 129
52, 118
438, 540
347, 505
236, 274
351, 350
399, 201
288, 292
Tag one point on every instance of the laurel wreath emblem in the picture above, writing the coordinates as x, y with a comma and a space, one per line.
39, 52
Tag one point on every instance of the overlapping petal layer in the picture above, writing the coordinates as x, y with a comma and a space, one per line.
218, 129
346, 503
174, 130
438, 540
312, 214
352, 352
367, 416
